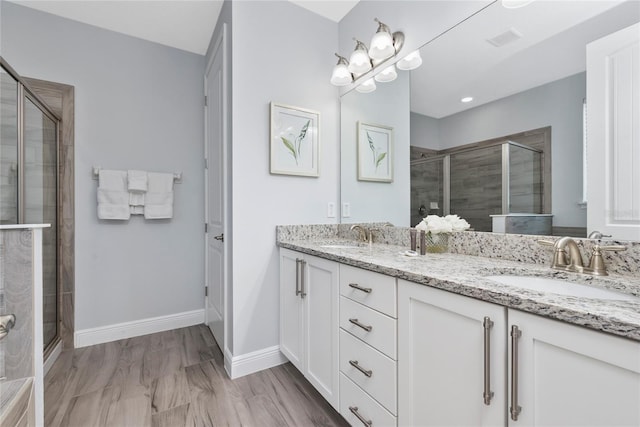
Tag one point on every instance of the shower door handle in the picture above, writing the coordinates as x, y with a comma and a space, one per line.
7, 322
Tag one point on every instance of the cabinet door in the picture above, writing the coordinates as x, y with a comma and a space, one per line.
291, 328
572, 376
321, 327
441, 354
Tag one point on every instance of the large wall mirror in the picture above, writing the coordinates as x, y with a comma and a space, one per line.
516, 147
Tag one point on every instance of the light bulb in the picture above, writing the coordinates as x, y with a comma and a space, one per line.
410, 62
367, 86
389, 74
341, 75
359, 62
381, 46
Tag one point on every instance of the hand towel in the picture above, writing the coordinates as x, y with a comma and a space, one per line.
113, 197
137, 180
159, 196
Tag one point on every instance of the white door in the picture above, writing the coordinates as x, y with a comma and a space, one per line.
613, 134
215, 122
443, 344
572, 376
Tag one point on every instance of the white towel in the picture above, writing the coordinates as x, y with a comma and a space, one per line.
136, 198
159, 196
113, 196
137, 180
113, 204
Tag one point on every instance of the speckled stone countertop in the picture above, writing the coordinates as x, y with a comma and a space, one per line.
466, 275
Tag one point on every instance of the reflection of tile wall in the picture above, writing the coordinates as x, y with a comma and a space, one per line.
16, 285
426, 187
476, 186
8, 150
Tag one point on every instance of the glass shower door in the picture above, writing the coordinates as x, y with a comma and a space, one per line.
40, 202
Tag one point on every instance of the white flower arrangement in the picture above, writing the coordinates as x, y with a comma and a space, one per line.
435, 224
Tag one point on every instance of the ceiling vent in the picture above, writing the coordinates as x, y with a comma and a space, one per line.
507, 37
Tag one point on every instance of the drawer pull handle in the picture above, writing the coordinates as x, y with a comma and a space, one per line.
355, 364
360, 325
360, 288
354, 411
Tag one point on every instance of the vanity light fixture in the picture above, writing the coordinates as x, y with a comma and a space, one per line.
341, 75
385, 45
367, 86
410, 62
359, 62
389, 74
467, 99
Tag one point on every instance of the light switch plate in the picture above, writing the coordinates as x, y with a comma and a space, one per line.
331, 210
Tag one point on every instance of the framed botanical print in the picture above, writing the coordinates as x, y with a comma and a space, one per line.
294, 140
375, 153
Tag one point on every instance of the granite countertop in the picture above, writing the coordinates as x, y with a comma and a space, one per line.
466, 275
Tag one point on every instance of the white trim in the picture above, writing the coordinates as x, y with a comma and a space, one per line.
118, 331
53, 356
248, 363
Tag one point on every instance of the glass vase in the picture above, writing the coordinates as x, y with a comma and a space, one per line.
437, 243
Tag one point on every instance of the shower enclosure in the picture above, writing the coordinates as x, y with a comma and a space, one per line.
29, 180
478, 182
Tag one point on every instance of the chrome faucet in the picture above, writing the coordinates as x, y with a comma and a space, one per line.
572, 260
364, 234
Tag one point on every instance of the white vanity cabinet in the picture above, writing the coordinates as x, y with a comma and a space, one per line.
309, 319
368, 354
571, 376
556, 373
448, 359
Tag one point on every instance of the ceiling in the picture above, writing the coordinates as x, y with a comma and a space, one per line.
554, 34
159, 20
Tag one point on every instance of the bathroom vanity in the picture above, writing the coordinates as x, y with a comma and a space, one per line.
444, 339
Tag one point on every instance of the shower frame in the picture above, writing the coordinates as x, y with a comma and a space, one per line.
24, 92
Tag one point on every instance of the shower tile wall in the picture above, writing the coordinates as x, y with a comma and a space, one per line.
16, 297
8, 149
426, 187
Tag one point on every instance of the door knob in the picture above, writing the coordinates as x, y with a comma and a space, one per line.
220, 237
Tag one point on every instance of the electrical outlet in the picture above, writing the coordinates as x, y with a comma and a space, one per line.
346, 210
331, 210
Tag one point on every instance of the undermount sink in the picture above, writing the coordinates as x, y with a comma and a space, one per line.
343, 246
562, 287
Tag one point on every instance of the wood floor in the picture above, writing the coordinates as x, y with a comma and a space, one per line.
175, 378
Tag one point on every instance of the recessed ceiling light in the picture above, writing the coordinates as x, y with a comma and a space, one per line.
467, 99
514, 4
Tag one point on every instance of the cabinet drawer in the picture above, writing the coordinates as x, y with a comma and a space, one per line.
382, 384
382, 333
376, 290
352, 396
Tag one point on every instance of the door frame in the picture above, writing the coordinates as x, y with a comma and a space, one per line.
220, 44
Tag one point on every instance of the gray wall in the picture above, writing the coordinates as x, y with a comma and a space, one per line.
138, 106
281, 53
557, 104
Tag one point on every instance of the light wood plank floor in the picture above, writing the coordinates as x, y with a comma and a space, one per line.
175, 378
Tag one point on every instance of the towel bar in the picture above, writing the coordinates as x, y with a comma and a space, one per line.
177, 176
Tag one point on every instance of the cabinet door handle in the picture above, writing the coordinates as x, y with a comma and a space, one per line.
514, 409
354, 411
298, 266
487, 394
355, 364
360, 288
303, 263
360, 325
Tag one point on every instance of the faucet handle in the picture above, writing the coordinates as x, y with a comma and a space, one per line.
546, 242
596, 265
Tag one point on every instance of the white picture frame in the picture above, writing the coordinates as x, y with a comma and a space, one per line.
375, 152
295, 140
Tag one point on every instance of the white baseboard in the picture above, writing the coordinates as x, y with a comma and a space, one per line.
118, 331
245, 364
